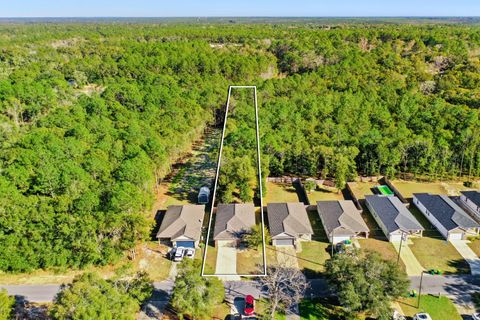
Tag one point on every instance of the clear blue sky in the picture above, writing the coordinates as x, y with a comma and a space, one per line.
201, 8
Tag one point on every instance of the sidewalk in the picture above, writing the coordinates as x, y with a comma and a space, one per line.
413, 267
467, 253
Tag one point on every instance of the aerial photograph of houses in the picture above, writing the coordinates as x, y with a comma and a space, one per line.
214, 160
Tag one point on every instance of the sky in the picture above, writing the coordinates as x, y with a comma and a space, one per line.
237, 8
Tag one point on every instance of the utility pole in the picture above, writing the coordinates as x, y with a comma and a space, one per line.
420, 289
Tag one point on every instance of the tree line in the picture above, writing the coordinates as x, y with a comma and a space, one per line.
93, 116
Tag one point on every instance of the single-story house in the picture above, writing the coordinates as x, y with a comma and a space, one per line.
450, 220
182, 225
232, 221
288, 223
472, 201
341, 220
393, 217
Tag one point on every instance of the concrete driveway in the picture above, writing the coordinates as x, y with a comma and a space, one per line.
413, 267
467, 253
226, 258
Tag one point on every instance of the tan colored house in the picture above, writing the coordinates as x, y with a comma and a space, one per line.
232, 221
182, 225
288, 223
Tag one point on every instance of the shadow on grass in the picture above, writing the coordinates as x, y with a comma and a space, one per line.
460, 265
308, 272
321, 309
158, 221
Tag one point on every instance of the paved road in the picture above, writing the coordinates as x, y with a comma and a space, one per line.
459, 288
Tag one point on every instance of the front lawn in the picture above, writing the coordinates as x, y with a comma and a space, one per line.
312, 258
211, 260
436, 253
383, 247
261, 310
250, 261
475, 245
439, 308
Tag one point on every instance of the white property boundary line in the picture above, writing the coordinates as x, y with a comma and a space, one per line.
264, 253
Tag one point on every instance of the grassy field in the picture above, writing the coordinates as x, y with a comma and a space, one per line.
407, 188
385, 248
324, 193
280, 192
438, 308
261, 309
150, 257
436, 253
312, 258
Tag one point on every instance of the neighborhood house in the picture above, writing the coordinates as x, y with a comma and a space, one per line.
288, 223
450, 220
182, 225
232, 221
393, 217
472, 201
341, 220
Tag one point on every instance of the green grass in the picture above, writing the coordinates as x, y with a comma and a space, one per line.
211, 260
312, 258
360, 189
324, 193
261, 309
439, 308
280, 192
407, 188
475, 245
383, 247
250, 261
436, 253
320, 309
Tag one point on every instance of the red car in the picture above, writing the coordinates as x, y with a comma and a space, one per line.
249, 309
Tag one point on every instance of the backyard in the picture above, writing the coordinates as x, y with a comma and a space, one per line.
322, 193
408, 188
439, 308
360, 189
280, 192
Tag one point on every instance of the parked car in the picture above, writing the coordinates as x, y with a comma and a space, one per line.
249, 309
235, 316
476, 316
422, 316
189, 253
178, 255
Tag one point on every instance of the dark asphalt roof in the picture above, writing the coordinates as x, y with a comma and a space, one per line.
473, 196
447, 212
341, 216
393, 213
233, 220
290, 218
182, 221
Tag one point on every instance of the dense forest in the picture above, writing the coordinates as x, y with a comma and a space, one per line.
93, 116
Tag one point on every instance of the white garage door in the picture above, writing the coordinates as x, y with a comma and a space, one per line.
395, 237
455, 236
284, 242
340, 239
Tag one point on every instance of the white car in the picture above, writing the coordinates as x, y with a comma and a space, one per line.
422, 316
178, 255
476, 316
397, 315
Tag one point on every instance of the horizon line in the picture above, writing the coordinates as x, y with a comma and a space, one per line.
240, 16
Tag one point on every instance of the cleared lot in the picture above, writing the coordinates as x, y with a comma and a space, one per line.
280, 192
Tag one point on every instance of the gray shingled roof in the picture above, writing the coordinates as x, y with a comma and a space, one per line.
447, 212
393, 213
182, 221
233, 220
341, 216
288, 218
473, 196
